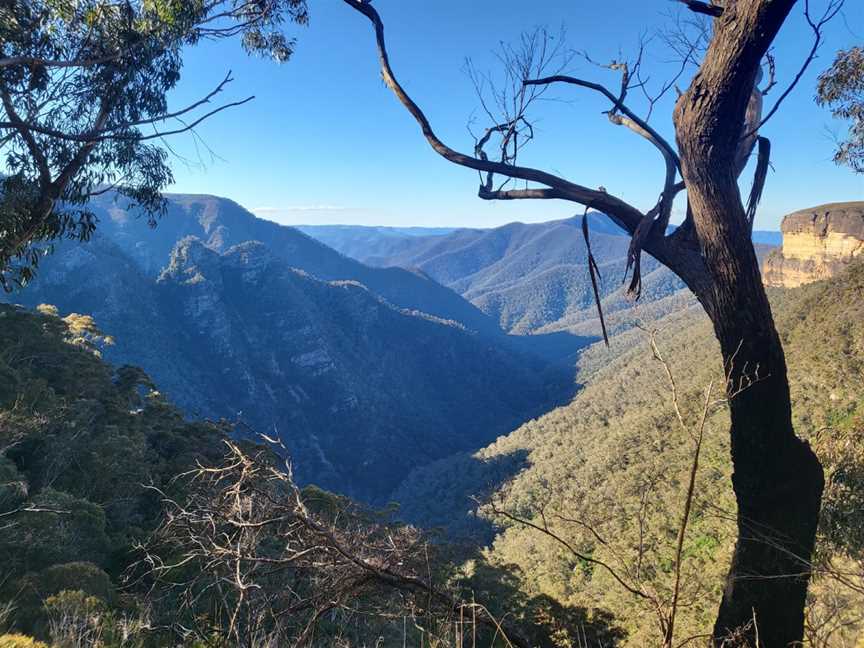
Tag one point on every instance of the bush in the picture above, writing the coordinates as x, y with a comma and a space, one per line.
65, 529
20, 641
75, 619
83, 576
34, 588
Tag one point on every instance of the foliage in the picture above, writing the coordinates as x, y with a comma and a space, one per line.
82, 329
84, 90
841, 448
80, 439
608, 470
33, 589
62, 529
841, 88
78, 443
20, 641
75, 619
544, 620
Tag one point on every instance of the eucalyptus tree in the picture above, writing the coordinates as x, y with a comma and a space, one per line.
777, 478
84, 109
841, 88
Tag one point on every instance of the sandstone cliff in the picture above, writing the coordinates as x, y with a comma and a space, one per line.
818, 243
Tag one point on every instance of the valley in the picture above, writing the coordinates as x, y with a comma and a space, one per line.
454, 421
294, 340
444, 325
241, 319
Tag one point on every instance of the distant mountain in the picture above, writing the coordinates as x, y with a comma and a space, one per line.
362, 389
362, 241
221, 223
528, 277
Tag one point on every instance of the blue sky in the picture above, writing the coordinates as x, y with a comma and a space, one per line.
326, 142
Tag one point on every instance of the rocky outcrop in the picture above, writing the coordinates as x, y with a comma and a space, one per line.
818, 243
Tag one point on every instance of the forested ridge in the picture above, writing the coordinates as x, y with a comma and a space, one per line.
609, 471
86, 450
91, 453
224, 433
530, 278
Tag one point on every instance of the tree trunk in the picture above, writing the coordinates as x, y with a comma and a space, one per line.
778, 487
777, 479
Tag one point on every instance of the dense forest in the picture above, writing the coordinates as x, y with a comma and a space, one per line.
99, 472
634, 426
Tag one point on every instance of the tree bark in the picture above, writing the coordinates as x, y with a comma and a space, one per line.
777, 479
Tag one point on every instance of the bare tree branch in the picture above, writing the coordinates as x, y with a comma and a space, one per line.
632, 121
260, 555
622, 212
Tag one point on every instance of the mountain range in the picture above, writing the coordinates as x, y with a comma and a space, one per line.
530, 278
365, 373
434, 342
221, 223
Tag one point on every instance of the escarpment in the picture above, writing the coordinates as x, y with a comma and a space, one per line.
818, 243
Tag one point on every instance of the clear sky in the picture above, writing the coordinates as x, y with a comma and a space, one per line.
326, 142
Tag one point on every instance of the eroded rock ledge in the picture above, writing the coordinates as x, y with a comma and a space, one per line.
818, 243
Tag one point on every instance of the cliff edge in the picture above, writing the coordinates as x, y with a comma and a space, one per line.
818, 243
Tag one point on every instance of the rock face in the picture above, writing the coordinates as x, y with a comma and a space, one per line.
818, 243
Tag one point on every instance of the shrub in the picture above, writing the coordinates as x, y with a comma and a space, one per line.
75, 619
20, 641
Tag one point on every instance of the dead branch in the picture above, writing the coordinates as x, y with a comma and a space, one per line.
258, 554
621, 212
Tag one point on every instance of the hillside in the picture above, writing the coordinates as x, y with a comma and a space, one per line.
360, 390
608, 470
95, 464
530, 278
80, 443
